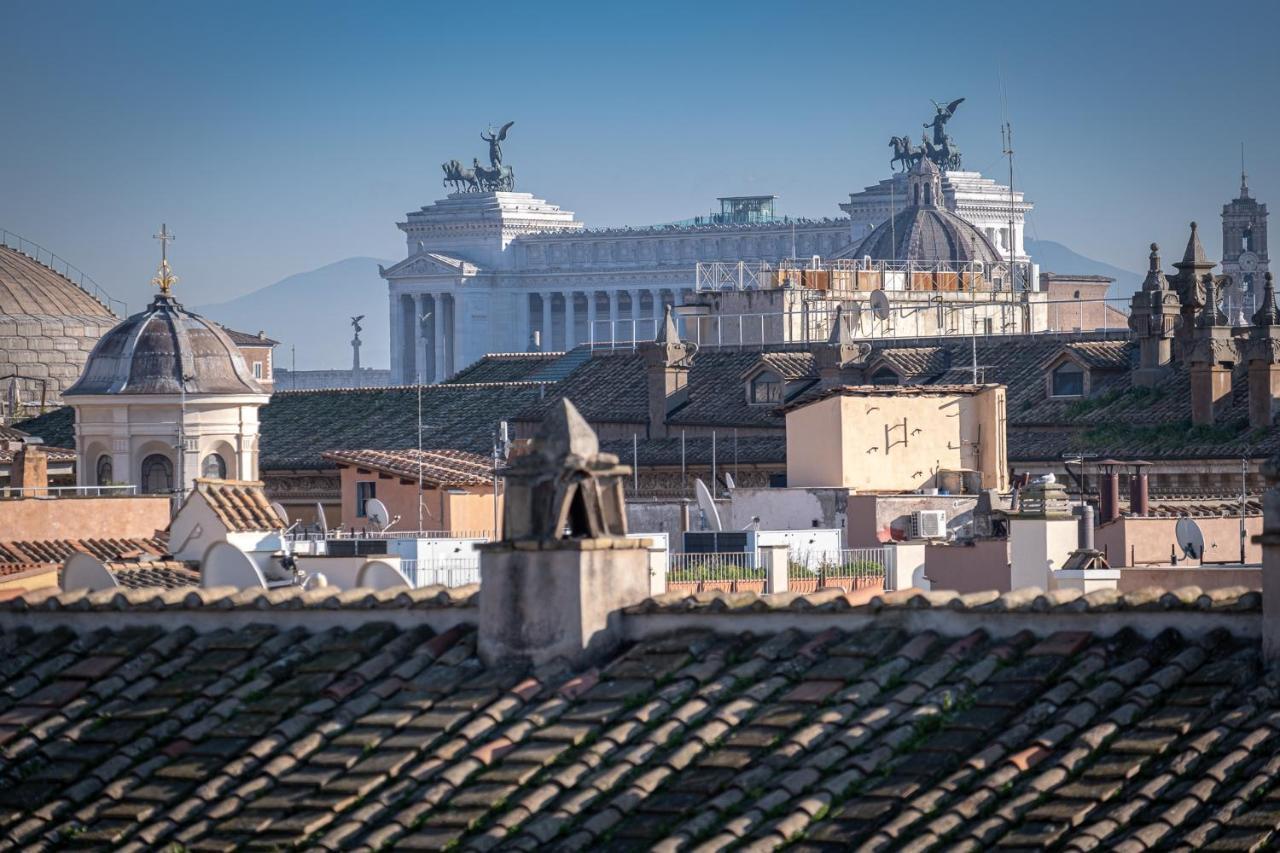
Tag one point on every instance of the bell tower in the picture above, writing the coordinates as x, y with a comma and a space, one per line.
1244, 241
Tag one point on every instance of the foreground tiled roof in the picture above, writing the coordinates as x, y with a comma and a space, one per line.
504, 367
394, 736
23, 556
435, 467
241, 505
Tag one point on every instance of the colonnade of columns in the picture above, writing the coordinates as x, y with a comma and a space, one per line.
431, 322
557, 320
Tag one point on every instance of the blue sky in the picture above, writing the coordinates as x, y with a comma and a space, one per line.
277, 137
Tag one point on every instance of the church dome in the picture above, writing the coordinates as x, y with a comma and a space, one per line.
48, 325
150, 352
925, 231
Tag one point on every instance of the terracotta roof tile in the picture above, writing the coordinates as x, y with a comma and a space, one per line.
436, 467
20, 556
240, 504
380, 735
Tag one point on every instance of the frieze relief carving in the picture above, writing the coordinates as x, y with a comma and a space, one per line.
1213, 351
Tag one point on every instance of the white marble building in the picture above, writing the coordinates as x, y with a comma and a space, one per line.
495, 271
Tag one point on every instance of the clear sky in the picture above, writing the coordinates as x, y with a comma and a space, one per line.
275, 137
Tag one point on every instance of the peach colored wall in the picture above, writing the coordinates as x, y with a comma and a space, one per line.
1205, 578
860, 442
978, 567
1138, 541
83, 518
441, 510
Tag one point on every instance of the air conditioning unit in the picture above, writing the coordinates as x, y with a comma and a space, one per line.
929, 524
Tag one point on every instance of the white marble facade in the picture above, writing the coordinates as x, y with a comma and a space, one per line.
508, 272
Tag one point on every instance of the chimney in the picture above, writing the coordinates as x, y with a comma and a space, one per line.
1262, 354
1042, 535
1139, 493
1109, 492
1086, 527
554, 588
1153, 316
839, 359
30, 469
1270, 541
1210, 360
666, 365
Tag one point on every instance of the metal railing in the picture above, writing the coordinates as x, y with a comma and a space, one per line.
858, 274
61, 265
66, 491
848, 568
737, 571
445, 571
314, 535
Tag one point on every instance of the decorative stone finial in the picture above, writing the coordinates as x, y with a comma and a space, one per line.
565, 488
1210, 315
1267, 315
1155, 279
669, 333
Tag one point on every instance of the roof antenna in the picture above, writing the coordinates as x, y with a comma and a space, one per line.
1244, 182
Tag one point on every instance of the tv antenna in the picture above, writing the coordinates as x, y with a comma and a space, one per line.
1006, 140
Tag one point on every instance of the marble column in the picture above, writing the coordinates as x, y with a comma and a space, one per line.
437, 317
592, 335
522, 322
546, 322
569, 309
613, 315
635, 332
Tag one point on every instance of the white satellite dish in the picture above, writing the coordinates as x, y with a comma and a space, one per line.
880, 305
226, 565
281, 511
708, 505
83, 571
376, 511
379, 574
1190, 539
728, 481
320, 519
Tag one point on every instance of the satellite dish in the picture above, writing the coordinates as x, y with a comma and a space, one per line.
1190, 539
376, 511
226, 565
281, 511
320, 519
880, 305
728, 481
708, 505
315, 581
82, 571
379, 574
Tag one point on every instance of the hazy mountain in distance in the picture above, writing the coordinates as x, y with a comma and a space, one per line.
1055, 257
312, 312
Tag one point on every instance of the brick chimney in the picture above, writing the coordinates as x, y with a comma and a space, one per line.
1262, 354
30, 469
840, 360
1210, 359
666, 365
1154, 318
1270, 541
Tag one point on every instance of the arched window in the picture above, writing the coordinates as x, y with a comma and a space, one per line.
1068, 380
157, 475
766, 388
885, 376
214, 467
103, 472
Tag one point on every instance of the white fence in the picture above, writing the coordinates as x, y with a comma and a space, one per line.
446, 571
66, 491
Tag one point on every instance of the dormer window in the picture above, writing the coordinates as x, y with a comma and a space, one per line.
1067, 380
766, 387
886, 376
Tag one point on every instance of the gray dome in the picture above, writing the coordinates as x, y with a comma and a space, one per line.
925, 231
928, 234
146, 353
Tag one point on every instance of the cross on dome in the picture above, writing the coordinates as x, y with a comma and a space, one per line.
164, 279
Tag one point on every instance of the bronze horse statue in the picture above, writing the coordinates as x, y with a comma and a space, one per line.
905, 153
499, 178
463, 180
